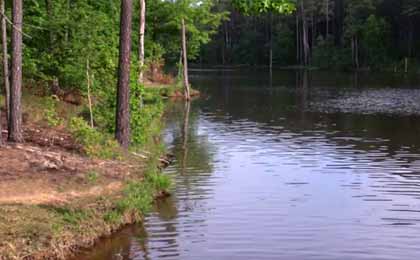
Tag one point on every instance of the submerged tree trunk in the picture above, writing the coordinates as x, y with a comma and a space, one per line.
185, 58
5, 55
15, 120
141, 39
185, 135
122, 129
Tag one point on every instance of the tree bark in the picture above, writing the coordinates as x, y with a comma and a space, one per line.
305, 36
357, 52
6, 78
313, 38
297, 38
15, 120
327, 11
122, 129
88, 83
270, 54
142, 28
185, 58
185, 136
1, 131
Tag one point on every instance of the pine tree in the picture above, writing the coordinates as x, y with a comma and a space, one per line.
122, 129
15, 120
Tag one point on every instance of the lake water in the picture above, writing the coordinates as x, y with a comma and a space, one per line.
314, 165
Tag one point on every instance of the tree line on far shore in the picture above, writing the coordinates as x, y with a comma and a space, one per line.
334, 34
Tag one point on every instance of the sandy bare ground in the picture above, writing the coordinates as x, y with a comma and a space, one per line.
48, 168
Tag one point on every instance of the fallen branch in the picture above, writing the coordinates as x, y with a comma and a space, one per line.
140, 155
164, 161
14, 26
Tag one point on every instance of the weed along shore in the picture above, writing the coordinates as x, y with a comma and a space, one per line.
69, 184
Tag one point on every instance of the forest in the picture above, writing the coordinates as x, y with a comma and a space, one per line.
87, 87
71, 48
333, 34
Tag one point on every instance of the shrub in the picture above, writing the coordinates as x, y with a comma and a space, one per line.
50, 111
95, 144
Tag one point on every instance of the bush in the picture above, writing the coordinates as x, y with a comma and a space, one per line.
95, 144
50, 112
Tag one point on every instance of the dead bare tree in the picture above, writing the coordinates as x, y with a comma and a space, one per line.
185, 59
142, 28
5, 55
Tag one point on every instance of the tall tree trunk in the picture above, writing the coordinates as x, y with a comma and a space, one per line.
141, 39
223, 52
271, 42
6, 77
357, 52
185, 58
180, 67
305, 36
327, 17
122, 129
312, 31
353, 51
225, 42
1, 131
15, 120
297, 38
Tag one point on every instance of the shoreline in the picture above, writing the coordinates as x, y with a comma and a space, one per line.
60, 202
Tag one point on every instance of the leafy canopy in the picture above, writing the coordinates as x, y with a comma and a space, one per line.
251, 7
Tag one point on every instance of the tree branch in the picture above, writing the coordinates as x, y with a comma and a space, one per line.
11, 23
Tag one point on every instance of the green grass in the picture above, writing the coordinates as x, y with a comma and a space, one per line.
92, 177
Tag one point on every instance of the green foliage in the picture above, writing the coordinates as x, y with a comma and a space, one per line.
251, 7
201, 21
138, 196
92, 177
376, 38
50, 111
357, 11
68, 33
326, 55
157, 181
95, 143
70, 216
283, 44
112, 216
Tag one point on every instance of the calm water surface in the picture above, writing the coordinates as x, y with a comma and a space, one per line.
297, 166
